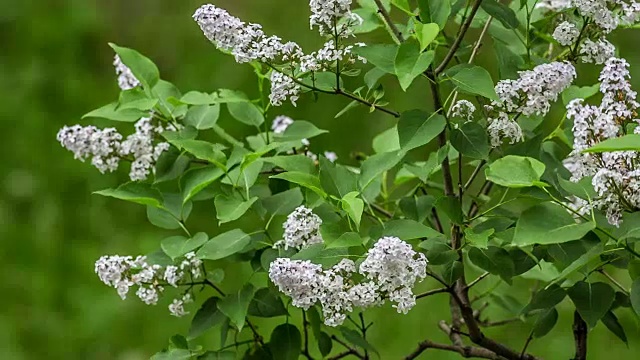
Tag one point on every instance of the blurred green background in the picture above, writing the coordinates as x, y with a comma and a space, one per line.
55, 66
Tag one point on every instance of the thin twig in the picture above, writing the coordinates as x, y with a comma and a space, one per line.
477, 280
456, 43
432, 292
614, 281
385, 14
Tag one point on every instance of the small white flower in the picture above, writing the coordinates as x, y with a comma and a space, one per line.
126, 79
566, 33
463, 109
331, 156
280, 124
176, 308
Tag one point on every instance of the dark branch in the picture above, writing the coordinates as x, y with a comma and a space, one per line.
464, 351
580, 336
351, 351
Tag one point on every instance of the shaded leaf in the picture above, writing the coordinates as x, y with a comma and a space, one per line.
224, 245
235, 306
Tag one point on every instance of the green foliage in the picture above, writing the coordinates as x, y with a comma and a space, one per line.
425, 192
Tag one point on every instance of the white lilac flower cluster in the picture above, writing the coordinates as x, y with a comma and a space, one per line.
248, 42
333, 17
280, 125
390, 270
126, 79
566, 33
106, 147
463, 109
608, 14
615, 175
531, 94
596, 52
603, 16
302, 229
124, 272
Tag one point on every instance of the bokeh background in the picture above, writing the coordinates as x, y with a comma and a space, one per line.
55, 66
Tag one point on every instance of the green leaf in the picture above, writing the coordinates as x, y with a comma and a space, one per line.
471, 140
611, 322
202, 150
438, 252
480, 240
235, 306
545, 323
224, 245
629, 142
162, 218
381, 56
426, 33
345, 240
142, 67
136, 192
405, 230
178, 246
515, 171
353, 337
583, 260
452, 271
112, 112
576, 92
592, 300
494, 260
509, 63
635, 296
246, 113
475, 80
353, 207
386, 141
171, 165
501, 12
435, 11
286, 342
230, 96
205, 318
303, 179
230, 208
546, 299
299, 163
199, 98
450, 205
376, 165
325, 344
299, 130
548, 223
336, 179
417, 128
197, 179
410, 62
173, 354
266, 303
283, 203
417, 208
202, 117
